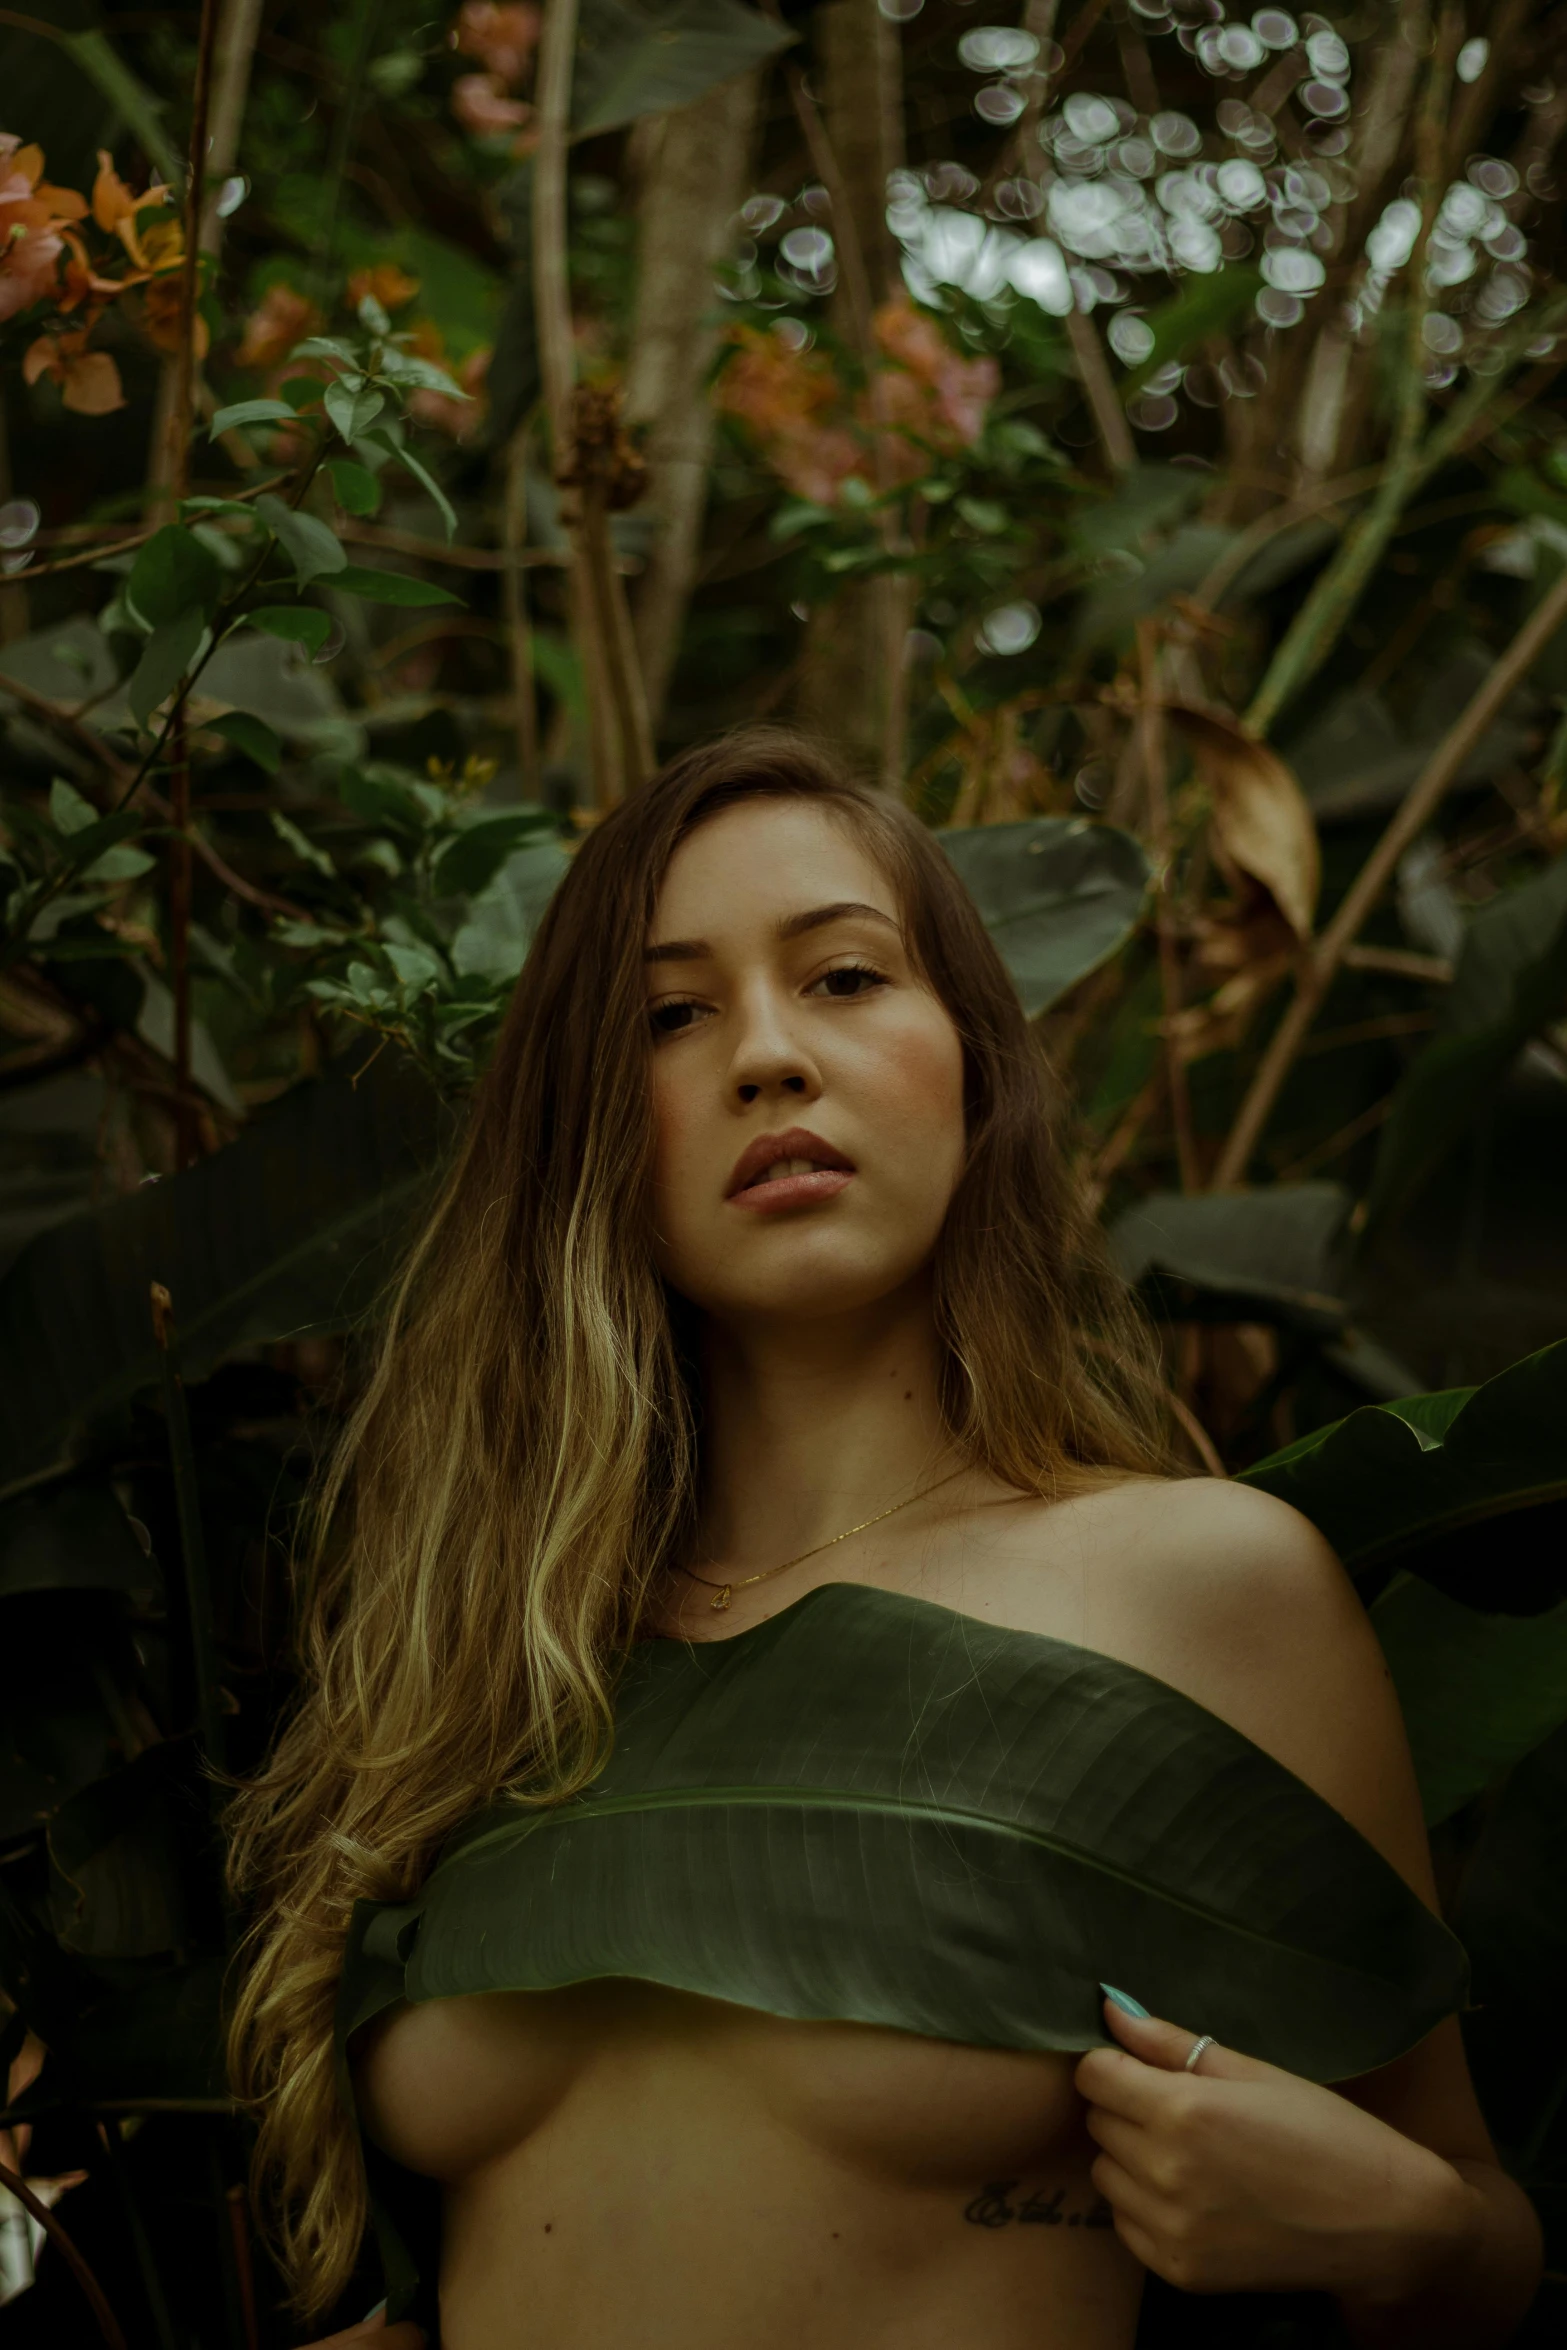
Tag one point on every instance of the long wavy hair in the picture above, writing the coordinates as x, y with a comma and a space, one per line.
523, 1461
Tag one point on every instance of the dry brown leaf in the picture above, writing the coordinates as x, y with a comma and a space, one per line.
1259, 811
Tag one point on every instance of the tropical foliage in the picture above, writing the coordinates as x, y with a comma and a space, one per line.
1132, 431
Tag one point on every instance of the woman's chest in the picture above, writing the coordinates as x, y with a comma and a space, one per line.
454, 2085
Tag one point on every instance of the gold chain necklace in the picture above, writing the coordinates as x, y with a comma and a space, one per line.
726, 1591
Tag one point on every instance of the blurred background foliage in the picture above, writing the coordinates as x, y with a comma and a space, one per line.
1132, 433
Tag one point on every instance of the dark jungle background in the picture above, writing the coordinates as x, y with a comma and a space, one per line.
1135, 434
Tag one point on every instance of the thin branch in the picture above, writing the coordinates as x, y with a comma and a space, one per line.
108, 2324
123, 543
1397, 963
1093, 371
1151, 735
519, 635
1321, 963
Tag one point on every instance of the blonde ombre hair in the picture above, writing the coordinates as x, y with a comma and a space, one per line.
523, 1463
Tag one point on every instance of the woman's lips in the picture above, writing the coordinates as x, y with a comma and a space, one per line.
792, 1191
794, 1169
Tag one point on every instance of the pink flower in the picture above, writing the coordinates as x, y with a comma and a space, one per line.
29, 268
482, 107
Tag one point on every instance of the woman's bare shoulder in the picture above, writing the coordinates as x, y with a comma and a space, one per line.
1235, 1599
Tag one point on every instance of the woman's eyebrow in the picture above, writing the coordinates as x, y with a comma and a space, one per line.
697, 950
796, 925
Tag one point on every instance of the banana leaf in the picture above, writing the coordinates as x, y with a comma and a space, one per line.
872, 1808
1510, 981
1058, 896
1478, 1692
1467, 1488
284, 1232
1270, 1256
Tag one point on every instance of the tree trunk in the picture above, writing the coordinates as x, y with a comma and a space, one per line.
693, 182
852, 682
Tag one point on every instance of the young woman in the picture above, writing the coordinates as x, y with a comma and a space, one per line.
757, 1413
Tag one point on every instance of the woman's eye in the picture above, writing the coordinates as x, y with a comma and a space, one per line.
670, 1018
848, 979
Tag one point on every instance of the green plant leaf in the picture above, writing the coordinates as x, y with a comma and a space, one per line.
353, 406
404, 367
303, 846
355, 487
75, 1538
172, 573
1478, 1692
471, 861
872, 1808
390, 587
1510, 981
1204, 306
314, 551
250, 412
253, 736
423, 475
631, 62
1058, 897
296, 624
130, 98
1268, 1256
1512, 1914
1467, 1488
492, 944
281, 1233
166, 656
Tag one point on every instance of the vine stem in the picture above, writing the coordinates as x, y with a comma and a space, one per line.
181, 421
1321, 962
108, 2323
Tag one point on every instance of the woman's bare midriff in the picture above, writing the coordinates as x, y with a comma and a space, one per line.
626, 2167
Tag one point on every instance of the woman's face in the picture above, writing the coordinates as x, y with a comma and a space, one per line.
807, 1085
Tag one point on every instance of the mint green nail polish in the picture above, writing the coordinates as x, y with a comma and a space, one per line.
1123, 2000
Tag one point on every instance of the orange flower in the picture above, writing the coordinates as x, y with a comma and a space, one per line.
89, 381
481, 105
786, 397
114, 208
392, 287
280, 319
161, 318
503, 38
81, 281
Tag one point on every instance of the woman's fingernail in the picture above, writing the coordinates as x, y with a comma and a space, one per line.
1123, 2000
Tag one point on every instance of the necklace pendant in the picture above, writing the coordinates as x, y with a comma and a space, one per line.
722, 1601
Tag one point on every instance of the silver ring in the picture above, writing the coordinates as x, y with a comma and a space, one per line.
1197, 2047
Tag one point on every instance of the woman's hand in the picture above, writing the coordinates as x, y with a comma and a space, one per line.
1241, 2178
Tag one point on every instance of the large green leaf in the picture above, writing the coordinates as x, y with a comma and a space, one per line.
1059, 897
76, 1538
1270, 1256
283, 1232
1511, 979
869, 1807
1513, 1917
1466, 1488
633, 61
1478, 1692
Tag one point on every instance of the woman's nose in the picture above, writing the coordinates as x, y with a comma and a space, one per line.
771, 1060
